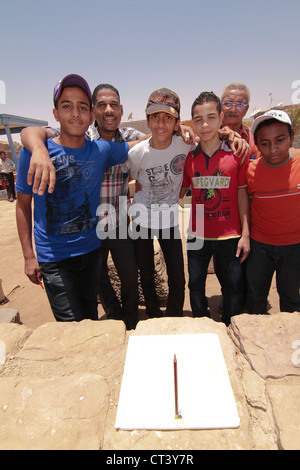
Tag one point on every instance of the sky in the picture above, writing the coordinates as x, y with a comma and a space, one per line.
189, 46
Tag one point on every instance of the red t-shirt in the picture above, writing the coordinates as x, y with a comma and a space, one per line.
214, 182
275, 201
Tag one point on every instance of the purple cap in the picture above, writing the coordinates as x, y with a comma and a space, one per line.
71, 80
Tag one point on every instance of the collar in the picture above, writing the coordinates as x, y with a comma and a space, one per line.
223, 146
94, 134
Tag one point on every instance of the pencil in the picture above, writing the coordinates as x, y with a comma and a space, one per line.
176, 387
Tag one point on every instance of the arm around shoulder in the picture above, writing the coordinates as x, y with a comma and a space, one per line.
41, 167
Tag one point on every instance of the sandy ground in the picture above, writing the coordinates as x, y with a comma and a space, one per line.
31, 301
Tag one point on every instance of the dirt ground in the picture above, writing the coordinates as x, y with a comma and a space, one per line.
31, 301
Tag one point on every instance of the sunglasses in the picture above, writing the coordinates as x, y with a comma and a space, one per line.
230, 104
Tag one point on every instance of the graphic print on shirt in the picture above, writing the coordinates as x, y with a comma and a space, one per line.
210, 194
68, 208
161, 179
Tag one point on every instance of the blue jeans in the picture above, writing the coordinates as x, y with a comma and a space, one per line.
262, 262
231, 275
71, 286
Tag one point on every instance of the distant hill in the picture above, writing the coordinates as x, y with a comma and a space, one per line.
139, 125
4, 146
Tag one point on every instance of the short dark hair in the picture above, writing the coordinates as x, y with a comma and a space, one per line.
104, 86
269, 122
207, 97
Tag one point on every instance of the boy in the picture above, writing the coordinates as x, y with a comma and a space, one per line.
65, 221
218, 181
274, 190
157, 163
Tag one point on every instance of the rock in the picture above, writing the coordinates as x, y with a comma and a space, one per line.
186, 439
60, 384
60, 348
284, 395
14, 336
267, 342
9, 315
53, 414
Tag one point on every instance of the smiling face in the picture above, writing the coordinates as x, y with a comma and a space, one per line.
74, 115
274, 142
108, 112
233, 116
207, 121
162, 126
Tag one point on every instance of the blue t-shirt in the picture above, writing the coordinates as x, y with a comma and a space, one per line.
65, 221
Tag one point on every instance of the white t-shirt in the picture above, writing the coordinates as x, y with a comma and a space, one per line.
6, 166
160, 172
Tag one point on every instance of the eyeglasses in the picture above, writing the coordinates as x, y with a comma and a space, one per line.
230, 104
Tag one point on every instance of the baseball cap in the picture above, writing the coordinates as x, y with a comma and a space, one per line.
163, 100
277, 114
71, 80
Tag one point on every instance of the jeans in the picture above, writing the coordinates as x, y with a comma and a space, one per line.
171, 245
262, 262
230, 273
123, 255
71, 286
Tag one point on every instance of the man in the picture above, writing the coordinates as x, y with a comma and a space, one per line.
113, 218
67, 246
6, 167
217, 179
274, 191
112, 228
235, 100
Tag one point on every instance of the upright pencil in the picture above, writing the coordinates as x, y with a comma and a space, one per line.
176, 387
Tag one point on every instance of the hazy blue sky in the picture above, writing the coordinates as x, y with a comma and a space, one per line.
138, 46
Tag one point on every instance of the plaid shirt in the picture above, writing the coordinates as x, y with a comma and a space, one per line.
115, 181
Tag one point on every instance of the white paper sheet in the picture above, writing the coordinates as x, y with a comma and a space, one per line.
147, 397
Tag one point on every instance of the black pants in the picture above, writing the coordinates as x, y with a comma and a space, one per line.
231, 277
171, 245
262, 262
9, 182
123, 255
71, 286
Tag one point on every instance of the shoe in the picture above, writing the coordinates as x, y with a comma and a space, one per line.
154, 313
131, 325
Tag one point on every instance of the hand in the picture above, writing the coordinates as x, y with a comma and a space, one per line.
32, 270
43, 171
187, 134
243, 248
238, 145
